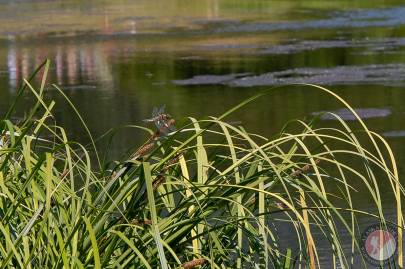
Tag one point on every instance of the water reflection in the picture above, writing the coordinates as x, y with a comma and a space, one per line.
12, 67
73, 65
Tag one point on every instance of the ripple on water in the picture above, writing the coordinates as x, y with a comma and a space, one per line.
208, 79
373, 45
349, 19
347, 115
79, 87
382, 74
395, 133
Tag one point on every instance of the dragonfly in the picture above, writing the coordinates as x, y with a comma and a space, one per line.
163, 121
164, 124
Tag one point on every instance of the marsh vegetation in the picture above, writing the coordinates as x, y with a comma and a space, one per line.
208, 193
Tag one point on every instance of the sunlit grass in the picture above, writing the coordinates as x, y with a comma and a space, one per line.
209, 195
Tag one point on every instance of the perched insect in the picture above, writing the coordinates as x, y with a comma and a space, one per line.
164, 122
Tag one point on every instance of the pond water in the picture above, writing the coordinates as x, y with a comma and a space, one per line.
117, 60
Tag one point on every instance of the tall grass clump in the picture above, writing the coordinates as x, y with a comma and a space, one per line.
209, 195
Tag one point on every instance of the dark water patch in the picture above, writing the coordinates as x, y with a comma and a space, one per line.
307, 45
396, 133
372, 45
347, 115
225, 47
214, 22
208, 79
366, 74
350, 19
134, 18
383, 74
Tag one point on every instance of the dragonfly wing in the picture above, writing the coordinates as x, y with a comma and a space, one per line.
161, 120
155, 112
162, 109
158, 111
